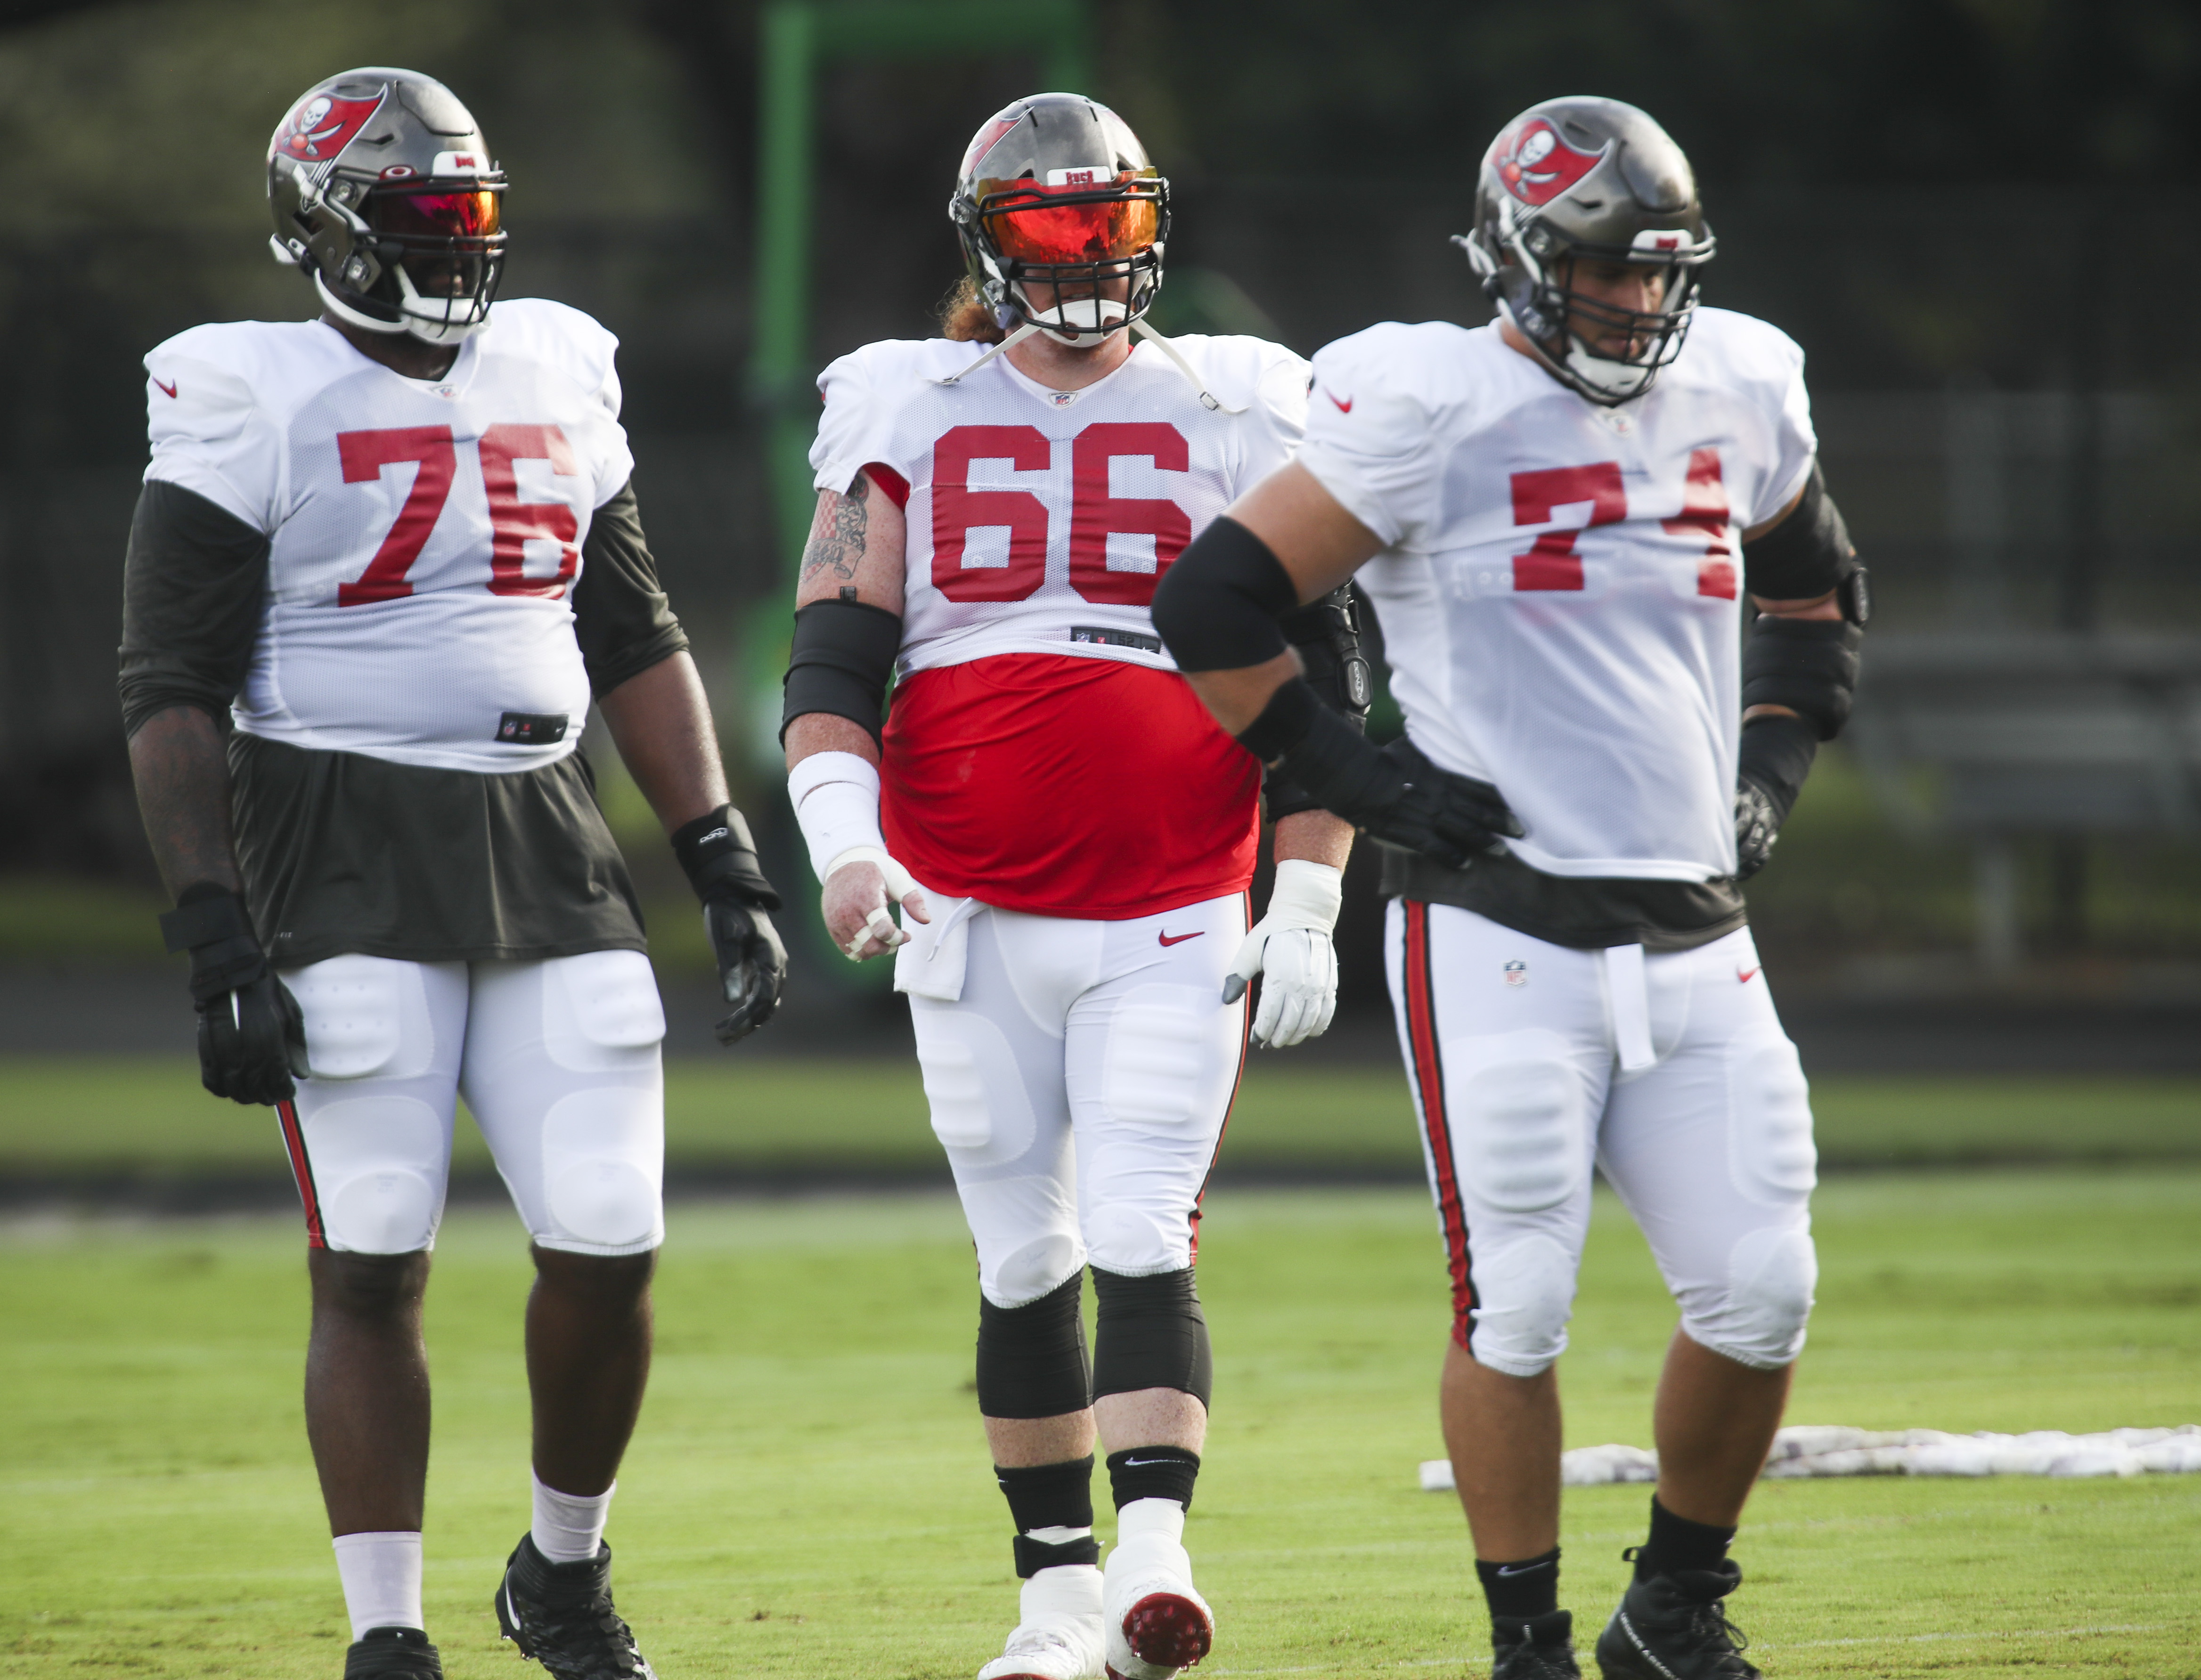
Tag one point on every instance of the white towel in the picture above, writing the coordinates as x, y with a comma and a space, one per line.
1631, 993
931, 964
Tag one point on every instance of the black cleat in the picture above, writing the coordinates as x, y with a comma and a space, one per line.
393, 1654
1540, 1647
1672, 1627
561, 1615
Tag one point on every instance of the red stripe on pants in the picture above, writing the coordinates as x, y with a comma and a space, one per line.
286, 1116
1428, 1082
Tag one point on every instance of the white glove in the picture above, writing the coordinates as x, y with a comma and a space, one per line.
1290, 949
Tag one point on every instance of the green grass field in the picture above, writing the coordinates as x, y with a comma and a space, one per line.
808, 1495
77, 1116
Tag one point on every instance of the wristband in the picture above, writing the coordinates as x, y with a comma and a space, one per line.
720, 859
836, 797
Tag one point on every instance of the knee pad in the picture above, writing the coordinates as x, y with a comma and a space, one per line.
376, 1165
1771, 1275
1031, 1359
366, 1017
1151, 1335
1524, 1294
603, 1171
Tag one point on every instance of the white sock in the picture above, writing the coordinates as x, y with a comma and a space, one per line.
568, 1527
381, 1576
1142, 1517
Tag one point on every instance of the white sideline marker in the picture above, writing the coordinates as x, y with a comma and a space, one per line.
1833, 1449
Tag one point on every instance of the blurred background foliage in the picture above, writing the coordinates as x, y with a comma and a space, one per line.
1976, 215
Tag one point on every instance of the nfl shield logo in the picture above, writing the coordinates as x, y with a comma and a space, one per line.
1517, 972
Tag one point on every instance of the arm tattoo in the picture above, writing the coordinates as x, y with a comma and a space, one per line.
837, 539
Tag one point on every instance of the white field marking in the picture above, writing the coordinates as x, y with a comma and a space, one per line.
1801, 1645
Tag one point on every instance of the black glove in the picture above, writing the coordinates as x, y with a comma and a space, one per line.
252, 1039
1393, 792
1776, 757
721, 862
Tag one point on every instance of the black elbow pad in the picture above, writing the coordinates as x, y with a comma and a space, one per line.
843, 654
1327, 634
1806, 554
1809, 666
1217, 606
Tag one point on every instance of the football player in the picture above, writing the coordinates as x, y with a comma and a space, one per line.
1549, 510
396, 548
1067, 834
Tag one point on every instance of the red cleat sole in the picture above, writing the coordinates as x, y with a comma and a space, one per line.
1167, 1631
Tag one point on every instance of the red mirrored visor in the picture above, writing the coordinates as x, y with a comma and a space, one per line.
435, 215
1099, 230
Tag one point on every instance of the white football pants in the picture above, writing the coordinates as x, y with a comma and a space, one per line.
1528, 1061
558, 1060
1080, 1085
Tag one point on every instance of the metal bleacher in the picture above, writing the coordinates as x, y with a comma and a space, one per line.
1997, 737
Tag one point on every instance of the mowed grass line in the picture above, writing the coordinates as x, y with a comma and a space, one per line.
62, 1116
809, 1497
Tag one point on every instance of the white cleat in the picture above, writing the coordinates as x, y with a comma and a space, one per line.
1057, 1635
1157, 1623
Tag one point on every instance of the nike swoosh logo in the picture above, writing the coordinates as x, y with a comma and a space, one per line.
1513, 1569
1177, 939
169, 390
1344, 404
1141, 1463
1744, 976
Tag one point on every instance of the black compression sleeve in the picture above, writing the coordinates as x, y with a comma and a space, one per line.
1217, 606
1806, 554
844, 651
192, 583
621, 617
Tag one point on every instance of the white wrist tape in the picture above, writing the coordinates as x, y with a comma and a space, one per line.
836, 797
1307, 895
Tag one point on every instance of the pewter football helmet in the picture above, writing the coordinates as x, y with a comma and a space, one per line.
1592, 179
1056, 190
383, 190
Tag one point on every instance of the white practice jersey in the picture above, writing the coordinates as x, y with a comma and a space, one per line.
1560, 586
1041, 521
425, 535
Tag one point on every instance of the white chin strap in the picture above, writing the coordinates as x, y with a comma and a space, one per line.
1015, 338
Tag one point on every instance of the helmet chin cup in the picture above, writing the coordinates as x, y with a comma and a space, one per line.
1082, 322
430, 328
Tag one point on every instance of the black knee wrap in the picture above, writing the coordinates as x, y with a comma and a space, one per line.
1151, 1335
1031, 1359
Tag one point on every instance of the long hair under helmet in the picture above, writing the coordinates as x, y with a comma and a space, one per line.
1056, 190
1593, 179
383, 190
